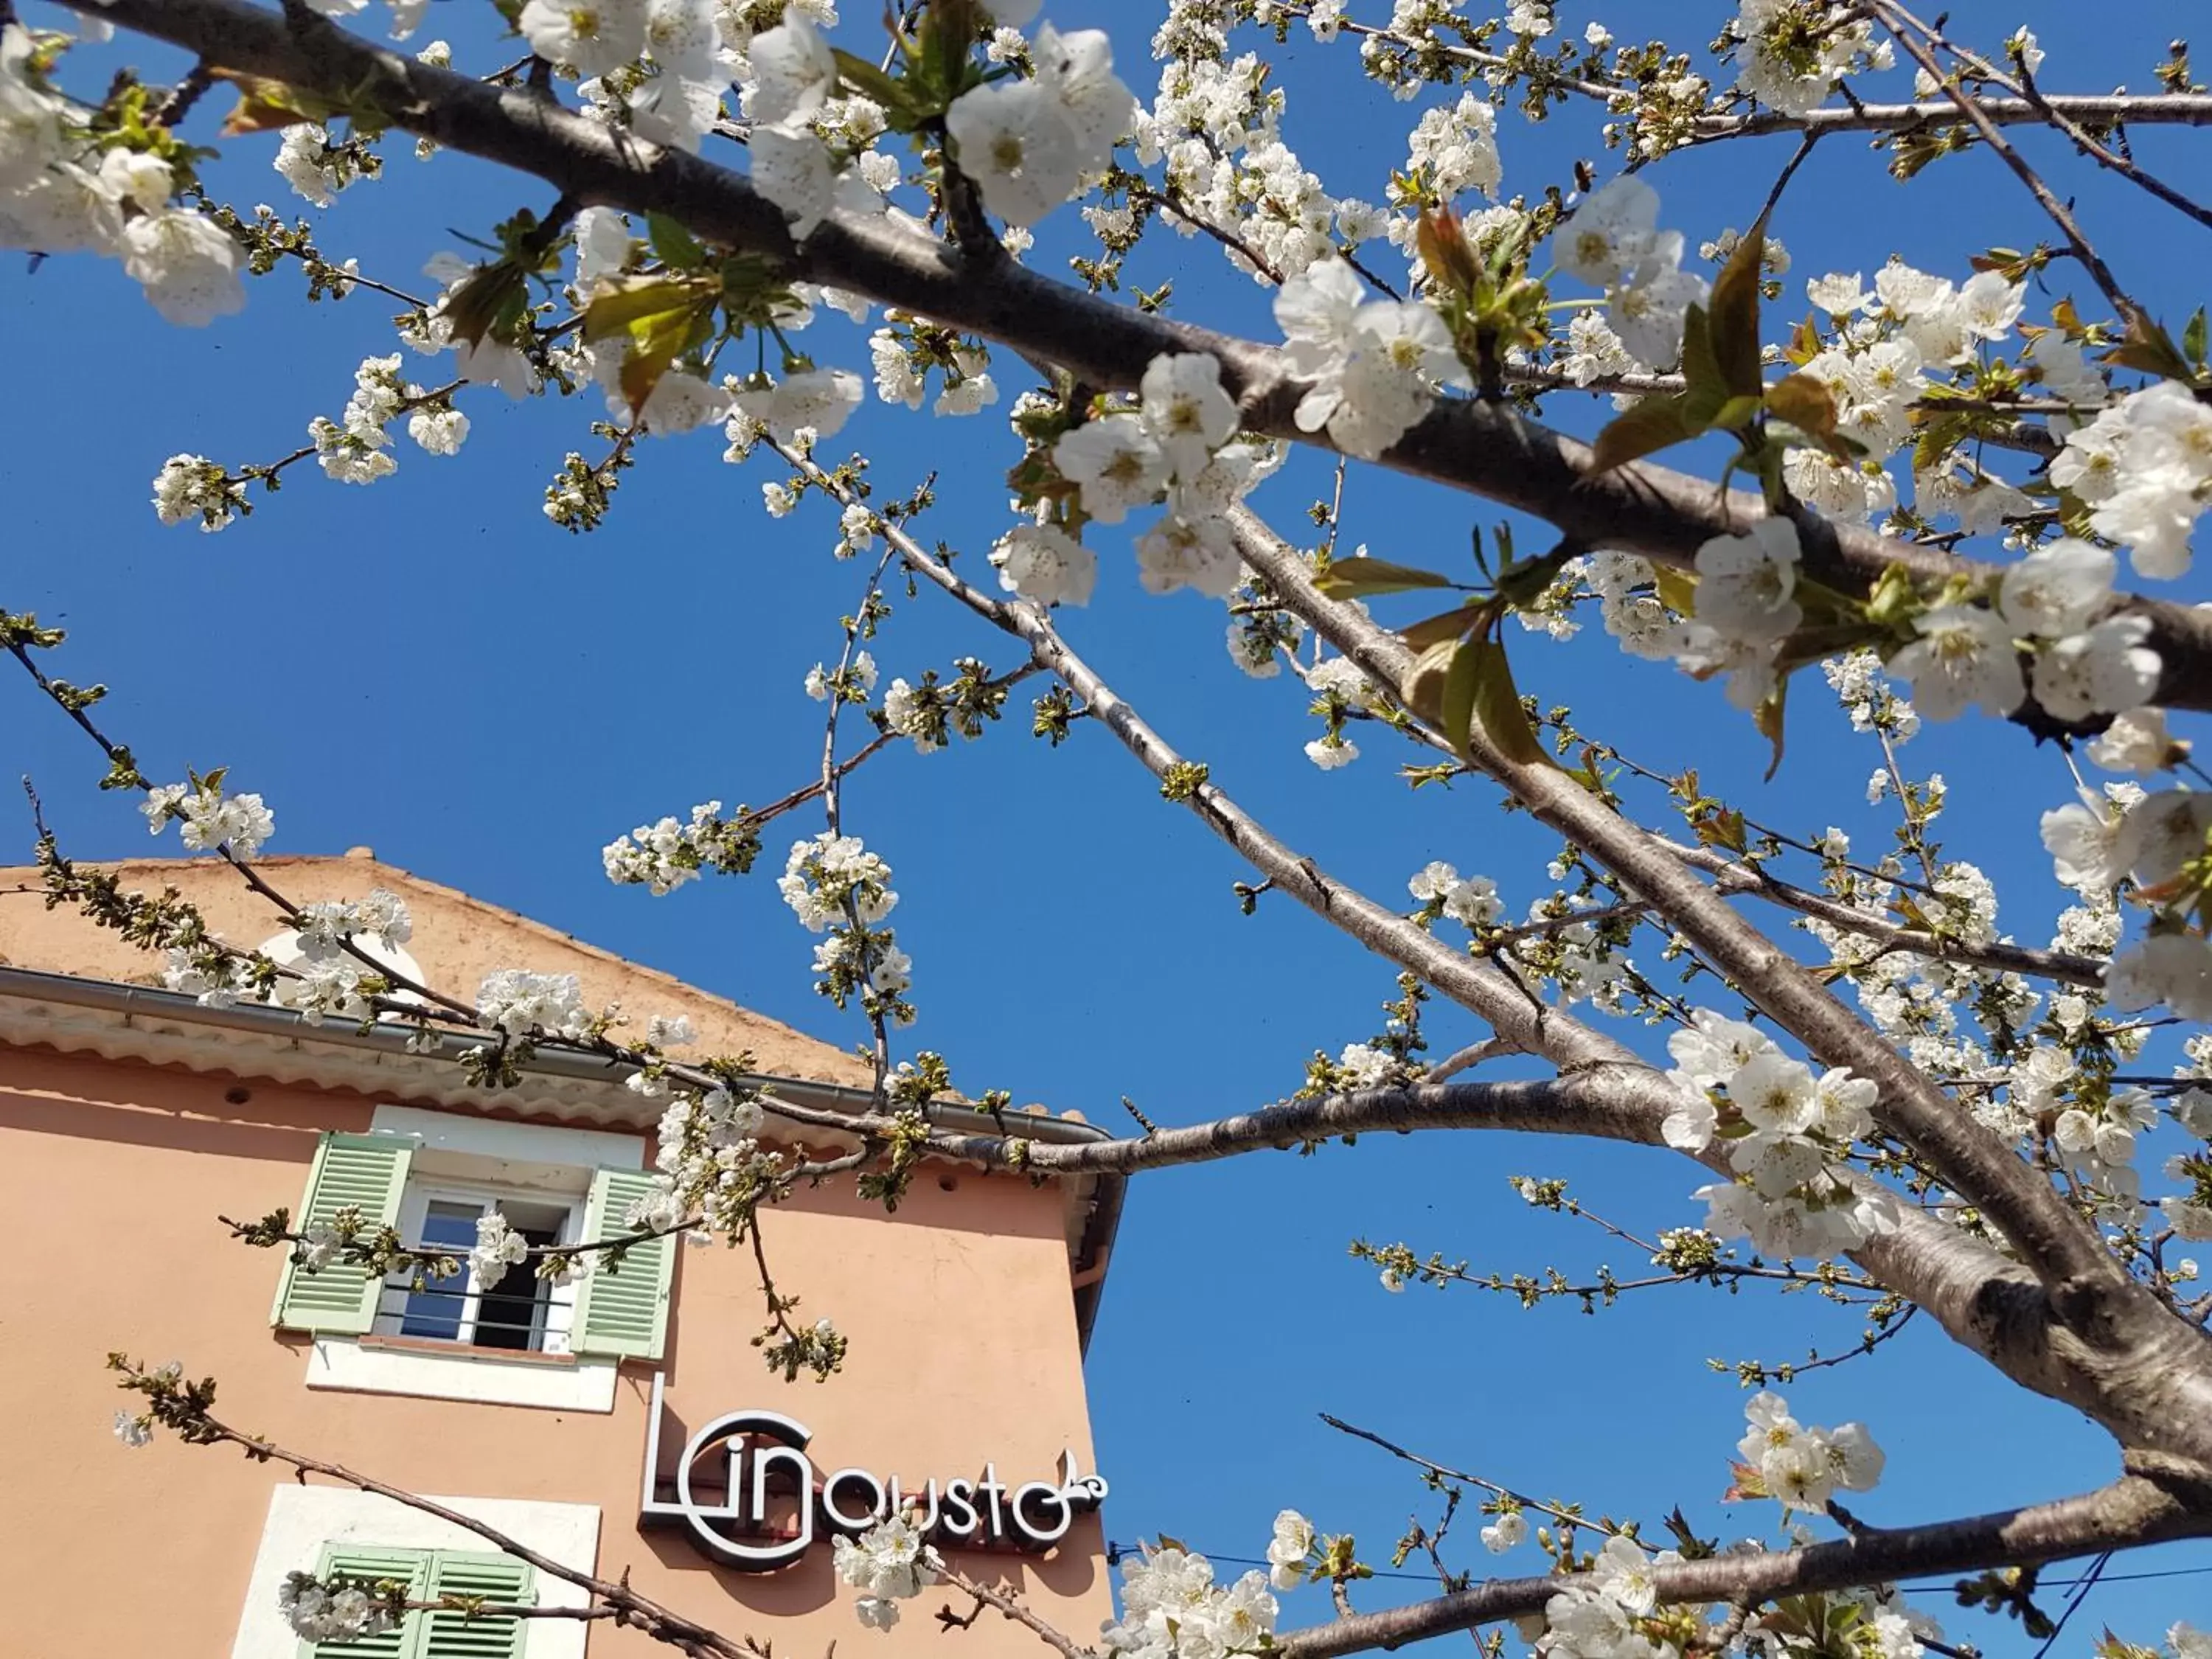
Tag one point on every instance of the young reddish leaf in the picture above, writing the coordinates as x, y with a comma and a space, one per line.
1441, 241
2149, 348
1735, 314
1804, 403
1642, 429
490, 302
1747, 1484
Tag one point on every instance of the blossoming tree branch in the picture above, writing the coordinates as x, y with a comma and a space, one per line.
1952, 494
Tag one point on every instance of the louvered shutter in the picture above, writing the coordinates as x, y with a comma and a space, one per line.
347, 1561
365, 1171
496, 1578
622, 1313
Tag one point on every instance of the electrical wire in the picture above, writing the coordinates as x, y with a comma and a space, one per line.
2096, 1575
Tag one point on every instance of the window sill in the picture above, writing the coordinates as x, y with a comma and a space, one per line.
429, 1370
465, 1351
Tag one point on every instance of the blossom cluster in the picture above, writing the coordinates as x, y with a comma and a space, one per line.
711, 1163
1804, 1467
357, 449
836, 887
1027, 144
64, 190
1472, 901
661, 857
2145, 467
522, 1003
1375, 364
1214, 129
335, 1611
1172, 1608
211, 819
1178, 443
1790, 53
888, 1563
1612, 241
1782, 1129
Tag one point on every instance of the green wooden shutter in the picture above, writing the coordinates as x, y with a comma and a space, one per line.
365, 1171
623, 1313
496, 1578
349, 1561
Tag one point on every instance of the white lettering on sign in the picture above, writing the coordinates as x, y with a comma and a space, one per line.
773, 1503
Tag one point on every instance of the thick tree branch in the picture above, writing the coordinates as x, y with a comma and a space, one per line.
2096, 111
2130, 1512
1469, 445
2098, 1340
1611, 1102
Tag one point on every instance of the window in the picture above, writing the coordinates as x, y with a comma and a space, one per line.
517, 1342
306, 1528
429, 1574
518, 1311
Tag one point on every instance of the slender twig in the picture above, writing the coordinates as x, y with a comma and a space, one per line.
1906, 29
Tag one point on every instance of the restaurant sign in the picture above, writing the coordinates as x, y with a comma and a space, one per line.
764, 1504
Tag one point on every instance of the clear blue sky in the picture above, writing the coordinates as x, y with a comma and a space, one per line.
428, 668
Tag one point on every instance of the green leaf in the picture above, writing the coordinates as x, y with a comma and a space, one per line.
1767, 717
1642, 429
655, 343
1735, 414
1424, 689
1498, 705
1462, 686
1678, 589
1435, 630
2193, 340
675, 247
1349, 577
662, 319
265, 106
1707, 387
622, 301
866, 78
1735, 314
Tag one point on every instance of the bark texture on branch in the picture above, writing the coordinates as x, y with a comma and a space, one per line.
2071, 1324
1489, 451
2128, 1512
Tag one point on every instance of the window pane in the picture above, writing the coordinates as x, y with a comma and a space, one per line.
437, 1309
511, 1314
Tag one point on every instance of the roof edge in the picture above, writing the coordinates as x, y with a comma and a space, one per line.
594, 1087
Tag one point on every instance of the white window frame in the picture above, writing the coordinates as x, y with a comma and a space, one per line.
541, 1163
552, 1332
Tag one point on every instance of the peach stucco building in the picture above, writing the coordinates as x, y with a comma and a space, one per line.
131, 1119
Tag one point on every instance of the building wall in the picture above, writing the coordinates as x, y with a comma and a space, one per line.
112, 1177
